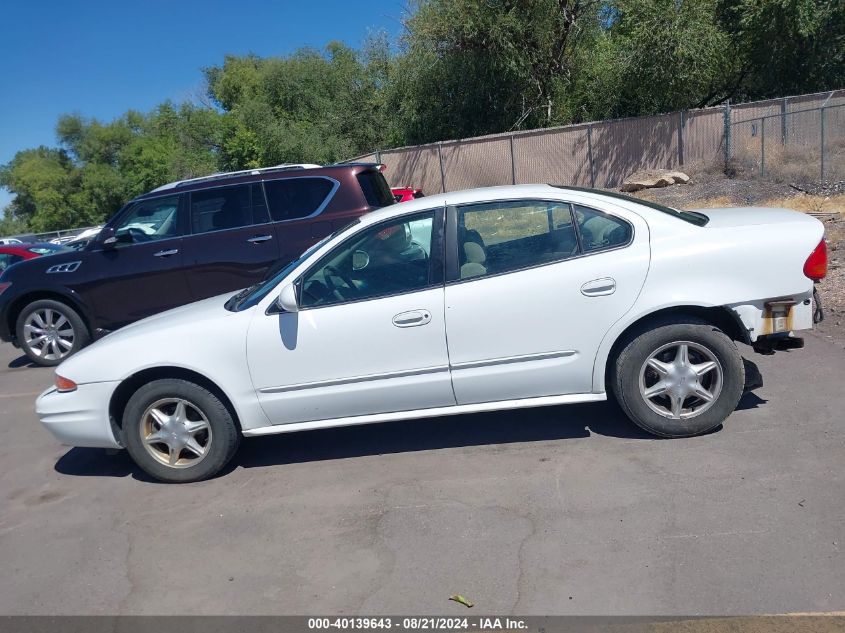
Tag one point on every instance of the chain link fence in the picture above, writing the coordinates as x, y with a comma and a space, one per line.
789, 143
604, 153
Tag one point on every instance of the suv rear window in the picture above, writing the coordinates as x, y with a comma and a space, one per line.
292, 198
375, 188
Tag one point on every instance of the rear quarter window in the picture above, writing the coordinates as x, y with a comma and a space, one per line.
293, 198
375, 188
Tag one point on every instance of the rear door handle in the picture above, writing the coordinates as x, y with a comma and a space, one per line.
172, 251
257, 239
412, 318
599, 287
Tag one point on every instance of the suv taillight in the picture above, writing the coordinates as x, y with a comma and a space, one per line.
816, 265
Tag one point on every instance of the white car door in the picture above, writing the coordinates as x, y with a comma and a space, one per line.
370, 334
532, 294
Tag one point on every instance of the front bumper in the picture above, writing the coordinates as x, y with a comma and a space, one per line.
80, 417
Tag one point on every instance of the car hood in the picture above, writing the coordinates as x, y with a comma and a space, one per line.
168, 338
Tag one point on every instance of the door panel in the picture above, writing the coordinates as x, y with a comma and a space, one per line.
137, 280
233, 244
369, 336
225, 261
534, 332
350, 359
143, 272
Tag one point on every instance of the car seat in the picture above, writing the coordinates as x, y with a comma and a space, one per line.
473, 254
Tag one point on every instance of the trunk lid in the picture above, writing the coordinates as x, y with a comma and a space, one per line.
752, 216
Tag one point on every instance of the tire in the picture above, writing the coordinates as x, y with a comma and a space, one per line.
204, 418
65, 332
650, 378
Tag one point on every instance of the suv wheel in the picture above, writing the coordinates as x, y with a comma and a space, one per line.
679, 379
178, 431
49, 331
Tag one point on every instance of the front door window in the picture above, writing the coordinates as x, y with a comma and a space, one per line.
386, 259
149, 221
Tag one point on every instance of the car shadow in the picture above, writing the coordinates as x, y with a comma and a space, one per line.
21, 361
542, 424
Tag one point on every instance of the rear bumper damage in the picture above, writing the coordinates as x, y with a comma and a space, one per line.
771, 324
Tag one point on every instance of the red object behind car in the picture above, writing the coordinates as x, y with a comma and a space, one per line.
403, 194
14, 253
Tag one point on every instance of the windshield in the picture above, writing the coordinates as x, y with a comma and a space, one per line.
699, 219
249, 297
45, 249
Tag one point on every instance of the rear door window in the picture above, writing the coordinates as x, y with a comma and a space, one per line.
498, 237
220, 208
293, 198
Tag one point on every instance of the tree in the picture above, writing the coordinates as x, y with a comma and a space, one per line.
471, 68
786, 46
657, 56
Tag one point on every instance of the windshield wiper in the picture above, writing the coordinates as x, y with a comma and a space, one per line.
233, 301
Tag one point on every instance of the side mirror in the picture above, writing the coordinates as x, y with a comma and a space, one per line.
287, 299
108, 238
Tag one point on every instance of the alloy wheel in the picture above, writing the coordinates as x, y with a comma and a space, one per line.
49, 334
681, 380
175, 432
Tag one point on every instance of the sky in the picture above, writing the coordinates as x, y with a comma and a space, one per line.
100, 58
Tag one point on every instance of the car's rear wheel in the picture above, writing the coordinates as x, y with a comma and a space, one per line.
49, 331
680, 378
178, 431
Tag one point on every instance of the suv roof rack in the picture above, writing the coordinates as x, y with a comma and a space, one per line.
235, 174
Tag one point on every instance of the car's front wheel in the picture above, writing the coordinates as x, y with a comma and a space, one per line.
49, 331
178, 431
680, 378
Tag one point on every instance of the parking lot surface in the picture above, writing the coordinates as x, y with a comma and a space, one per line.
561, 510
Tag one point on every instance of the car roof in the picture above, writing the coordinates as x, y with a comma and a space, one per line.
256, 175
480, 194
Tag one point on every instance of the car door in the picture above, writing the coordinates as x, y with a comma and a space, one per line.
369, 336
232, 243
530, 294
140, 273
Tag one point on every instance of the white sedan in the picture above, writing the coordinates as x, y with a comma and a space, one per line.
470, 301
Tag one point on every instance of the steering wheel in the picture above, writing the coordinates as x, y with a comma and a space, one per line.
138, 235
420, 246
330, 271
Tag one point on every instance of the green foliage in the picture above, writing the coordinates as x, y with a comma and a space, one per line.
462, 68
309, 107
657, 56
787, 46
473, 68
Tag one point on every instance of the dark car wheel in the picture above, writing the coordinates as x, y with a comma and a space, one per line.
49, 331
178, 431
679, 379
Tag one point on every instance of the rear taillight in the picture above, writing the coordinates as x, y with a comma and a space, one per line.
3, 286
816, 265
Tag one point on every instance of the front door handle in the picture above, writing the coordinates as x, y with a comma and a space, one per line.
172, 251
257, 239
412, 318
599, 287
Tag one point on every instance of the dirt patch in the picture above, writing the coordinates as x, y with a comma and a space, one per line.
827, 199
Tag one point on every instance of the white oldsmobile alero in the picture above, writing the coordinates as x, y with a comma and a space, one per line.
469, 301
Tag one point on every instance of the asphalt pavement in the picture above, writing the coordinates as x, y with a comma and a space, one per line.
559, 510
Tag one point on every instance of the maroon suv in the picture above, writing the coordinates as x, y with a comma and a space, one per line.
179, 243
